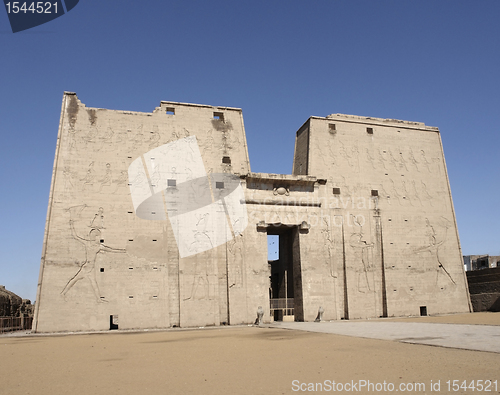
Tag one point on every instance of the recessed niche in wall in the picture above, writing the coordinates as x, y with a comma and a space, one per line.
219, 116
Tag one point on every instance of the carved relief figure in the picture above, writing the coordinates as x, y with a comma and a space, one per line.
87, 270
121, 181
330, 248
72, 133
68, 178
89, 177
202, 272
90, 137
98, 220
363, 248
107, 139
138, 139
235, 247
154, 139
435, 240
107, 180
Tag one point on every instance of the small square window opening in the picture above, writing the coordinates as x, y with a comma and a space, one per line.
170, 111
226, 159
219, 185
369, 130
219, 116
171, 183
336, 191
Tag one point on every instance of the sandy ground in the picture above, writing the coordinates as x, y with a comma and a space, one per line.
233, 360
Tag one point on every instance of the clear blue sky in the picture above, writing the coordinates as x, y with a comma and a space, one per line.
280, 61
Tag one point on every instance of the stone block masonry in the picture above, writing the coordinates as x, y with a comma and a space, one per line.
155, 220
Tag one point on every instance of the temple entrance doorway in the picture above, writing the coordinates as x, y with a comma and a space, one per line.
285, 288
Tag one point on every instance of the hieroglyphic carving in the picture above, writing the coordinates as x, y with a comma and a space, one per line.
138, 139
344, 154
402, 161
427, 196
107, 180
382, 159
407, 193
424, 160
413, 161
394, 191
91, 136
370, 158
139, 181
383, 194
121, 181
89, 177
393, 160
107, 139
154, 139
415, 192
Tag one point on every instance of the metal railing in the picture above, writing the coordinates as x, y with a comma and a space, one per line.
10, 324
283, 304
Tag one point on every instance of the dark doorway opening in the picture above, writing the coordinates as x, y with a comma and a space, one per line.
285, 288
113, 322
423, 310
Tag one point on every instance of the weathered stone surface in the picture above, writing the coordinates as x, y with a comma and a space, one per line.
484, 287
12, 305
156, 220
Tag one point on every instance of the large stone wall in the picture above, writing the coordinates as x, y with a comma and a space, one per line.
10, 303
389, 209
484, 287
155, 220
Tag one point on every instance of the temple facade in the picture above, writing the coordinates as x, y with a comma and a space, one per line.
155, 220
